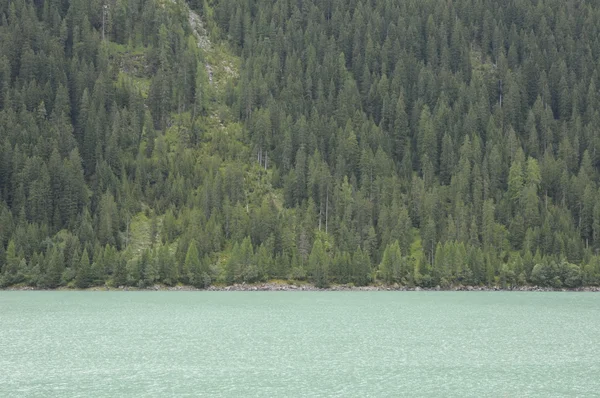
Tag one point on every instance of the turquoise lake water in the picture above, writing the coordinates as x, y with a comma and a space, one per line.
301, 344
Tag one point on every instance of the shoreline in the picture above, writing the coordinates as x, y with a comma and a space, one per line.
290, 287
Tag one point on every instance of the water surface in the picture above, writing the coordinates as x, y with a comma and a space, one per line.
244, 344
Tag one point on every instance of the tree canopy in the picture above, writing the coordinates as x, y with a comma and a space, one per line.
420, 143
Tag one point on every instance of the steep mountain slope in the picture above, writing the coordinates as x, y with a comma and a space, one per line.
419, 143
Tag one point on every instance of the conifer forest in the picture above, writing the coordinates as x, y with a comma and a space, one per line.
360, 142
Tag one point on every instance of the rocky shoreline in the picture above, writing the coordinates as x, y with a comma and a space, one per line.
290, 287
372, 288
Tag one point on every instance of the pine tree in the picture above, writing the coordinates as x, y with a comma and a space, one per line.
391, 263
120, 273
11, 265
192, 265
166, 265
318, 263
84, 276
362, 267
54, 269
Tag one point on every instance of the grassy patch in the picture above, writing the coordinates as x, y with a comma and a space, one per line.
141, 231
416, 249
480, 64
140, 84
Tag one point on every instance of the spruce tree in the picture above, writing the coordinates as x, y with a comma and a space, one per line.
83, 278
318, 264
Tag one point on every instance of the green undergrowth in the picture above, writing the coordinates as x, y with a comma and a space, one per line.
219, 134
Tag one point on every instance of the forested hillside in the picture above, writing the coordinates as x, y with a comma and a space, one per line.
422, 143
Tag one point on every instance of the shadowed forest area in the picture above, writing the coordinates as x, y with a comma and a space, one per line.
424, 143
